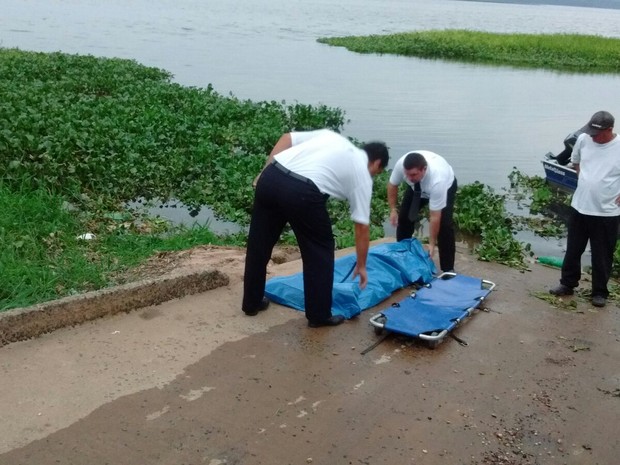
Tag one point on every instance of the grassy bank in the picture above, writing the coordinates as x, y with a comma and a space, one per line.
44, 257
563, 52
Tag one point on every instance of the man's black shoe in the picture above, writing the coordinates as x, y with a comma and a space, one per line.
263, 306
561, 290
331, 321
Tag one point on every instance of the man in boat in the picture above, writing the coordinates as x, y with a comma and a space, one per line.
430, 181
595, 212
303, 170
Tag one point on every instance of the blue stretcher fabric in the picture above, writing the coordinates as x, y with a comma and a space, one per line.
435, 308
390, 266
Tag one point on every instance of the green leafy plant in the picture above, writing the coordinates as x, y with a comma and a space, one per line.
566, 52
480, 211
102, 132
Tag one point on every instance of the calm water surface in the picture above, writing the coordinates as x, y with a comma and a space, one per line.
484, 120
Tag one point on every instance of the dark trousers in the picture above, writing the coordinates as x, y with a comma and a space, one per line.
602, 232
408, 218
280, 199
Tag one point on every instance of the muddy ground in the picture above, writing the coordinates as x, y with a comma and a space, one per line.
194, 381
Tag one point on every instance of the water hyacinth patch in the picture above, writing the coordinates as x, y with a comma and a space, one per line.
563, 52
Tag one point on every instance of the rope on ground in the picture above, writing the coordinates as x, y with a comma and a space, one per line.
381, 339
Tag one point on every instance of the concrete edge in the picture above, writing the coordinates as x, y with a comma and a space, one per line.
25, 323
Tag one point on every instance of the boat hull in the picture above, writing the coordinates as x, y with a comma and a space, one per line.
560, 176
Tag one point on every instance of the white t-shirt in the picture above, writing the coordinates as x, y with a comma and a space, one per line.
437, 180
598, 184
335, 165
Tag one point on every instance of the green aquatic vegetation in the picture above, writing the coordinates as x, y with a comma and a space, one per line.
541, 201
480, 211
564, 52
534, 190
498, 244
101, 132
477, 206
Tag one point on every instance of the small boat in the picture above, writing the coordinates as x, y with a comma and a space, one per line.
558, 175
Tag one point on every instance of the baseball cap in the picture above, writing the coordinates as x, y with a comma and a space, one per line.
600, 121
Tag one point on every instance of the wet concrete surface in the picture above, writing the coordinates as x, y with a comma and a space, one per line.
193, 381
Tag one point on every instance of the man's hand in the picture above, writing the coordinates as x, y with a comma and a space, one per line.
394, 217
431, 249
362, 241
618, 200
361, 272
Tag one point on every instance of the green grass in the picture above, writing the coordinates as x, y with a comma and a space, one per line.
563, 52
42, 258
39, 255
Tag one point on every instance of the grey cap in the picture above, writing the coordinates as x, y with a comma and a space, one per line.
600, 121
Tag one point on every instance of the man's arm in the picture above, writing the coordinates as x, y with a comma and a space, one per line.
434, 225
285, 142
392, 196
362, 242
575, 156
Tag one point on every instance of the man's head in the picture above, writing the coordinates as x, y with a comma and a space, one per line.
378, 157
600, 127
414, 166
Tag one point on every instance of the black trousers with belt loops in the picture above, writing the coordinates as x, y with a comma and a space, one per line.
283, 197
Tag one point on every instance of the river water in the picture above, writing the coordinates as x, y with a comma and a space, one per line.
485, 120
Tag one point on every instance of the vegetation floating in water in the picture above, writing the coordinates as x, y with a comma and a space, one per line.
563, 52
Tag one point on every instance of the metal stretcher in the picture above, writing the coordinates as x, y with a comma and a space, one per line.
434, 310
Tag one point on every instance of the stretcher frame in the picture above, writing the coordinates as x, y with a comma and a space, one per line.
455, 316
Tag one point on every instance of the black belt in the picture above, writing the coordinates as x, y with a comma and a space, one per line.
291, 173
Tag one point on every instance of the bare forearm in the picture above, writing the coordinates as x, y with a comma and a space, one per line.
433, 228
283, 143
362, 241
392, 196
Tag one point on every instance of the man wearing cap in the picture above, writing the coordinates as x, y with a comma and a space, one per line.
303, 170
595, 206
430, 181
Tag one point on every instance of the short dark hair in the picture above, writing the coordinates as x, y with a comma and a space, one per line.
377, 151
414, 160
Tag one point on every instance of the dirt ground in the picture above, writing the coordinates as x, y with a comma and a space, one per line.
194, 381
